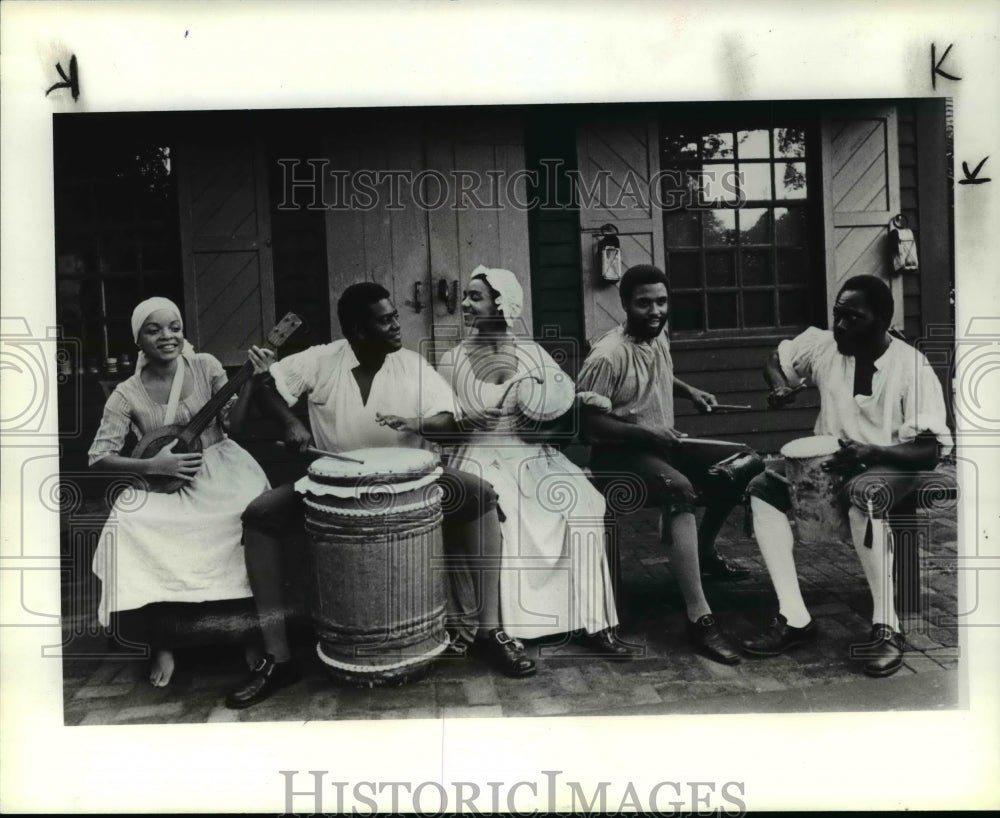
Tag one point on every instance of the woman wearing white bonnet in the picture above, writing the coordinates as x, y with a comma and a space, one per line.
184, 546
553, 572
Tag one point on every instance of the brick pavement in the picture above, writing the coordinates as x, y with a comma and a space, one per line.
669, 678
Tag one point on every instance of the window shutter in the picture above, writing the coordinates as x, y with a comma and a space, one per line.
615, 161
861, 195
225, 231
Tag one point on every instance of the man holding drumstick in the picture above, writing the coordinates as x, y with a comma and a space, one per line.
628, 386
880, 397
360, 392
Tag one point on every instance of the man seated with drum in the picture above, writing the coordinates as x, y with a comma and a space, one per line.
881, 399
357, 387
628, 386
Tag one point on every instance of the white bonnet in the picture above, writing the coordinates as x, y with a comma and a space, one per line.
146, 308
510, 297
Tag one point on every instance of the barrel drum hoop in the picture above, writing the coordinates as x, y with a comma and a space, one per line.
363, 512
369, 669
377, 484
350, 531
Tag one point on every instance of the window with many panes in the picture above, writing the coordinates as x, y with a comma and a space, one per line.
737, 223
116, 233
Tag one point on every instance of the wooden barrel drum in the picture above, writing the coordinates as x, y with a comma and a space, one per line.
820, 512
377, 603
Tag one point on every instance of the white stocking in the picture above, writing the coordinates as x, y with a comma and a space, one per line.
877, 564
774, 537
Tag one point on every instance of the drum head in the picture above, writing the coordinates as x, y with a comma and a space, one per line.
815, 446
547, 400
386, 465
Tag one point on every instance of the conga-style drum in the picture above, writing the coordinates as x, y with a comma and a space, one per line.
820, 513
374, 529
546, 394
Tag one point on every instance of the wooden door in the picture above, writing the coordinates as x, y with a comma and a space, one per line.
371, 236
861, 195
225, 246
463, 234
422, 241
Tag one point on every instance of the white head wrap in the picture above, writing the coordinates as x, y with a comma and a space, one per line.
510, 297
145, 309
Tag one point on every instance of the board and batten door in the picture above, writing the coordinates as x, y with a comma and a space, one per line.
483, 155
225, 230
370, 236
617, 160
421, 244
861, 194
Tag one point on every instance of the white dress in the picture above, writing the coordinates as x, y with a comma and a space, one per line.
554, 574
180, 547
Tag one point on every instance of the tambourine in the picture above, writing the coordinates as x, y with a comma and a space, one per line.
543, 394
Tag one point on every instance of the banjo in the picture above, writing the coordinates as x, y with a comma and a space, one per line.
188, 436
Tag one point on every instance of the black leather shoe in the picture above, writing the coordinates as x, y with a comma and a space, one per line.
779, 637
884, 653
266, 678
709, 638
716, 567
607, 645
505, 654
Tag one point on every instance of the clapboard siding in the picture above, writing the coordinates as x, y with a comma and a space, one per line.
554, 231
559, 278
737, 355
735, 375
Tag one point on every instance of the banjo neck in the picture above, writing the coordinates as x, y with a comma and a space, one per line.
213, 405
275, 338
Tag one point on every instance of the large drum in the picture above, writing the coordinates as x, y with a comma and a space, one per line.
820, 512
375, 530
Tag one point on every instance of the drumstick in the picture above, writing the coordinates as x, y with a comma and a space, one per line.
314, 450
685, 439
730, 406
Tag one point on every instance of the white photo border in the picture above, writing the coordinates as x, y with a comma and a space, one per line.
184, 55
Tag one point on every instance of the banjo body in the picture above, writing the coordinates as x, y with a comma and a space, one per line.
188, 436
159, 439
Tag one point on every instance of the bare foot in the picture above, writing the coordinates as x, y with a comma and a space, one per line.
253, 655
162, 668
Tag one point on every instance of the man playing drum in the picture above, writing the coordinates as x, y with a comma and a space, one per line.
358, 388
880, 397
627, 384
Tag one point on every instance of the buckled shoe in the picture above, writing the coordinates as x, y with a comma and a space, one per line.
712, 641
266, 678
505, 654
607, 645
779, 637
884, 653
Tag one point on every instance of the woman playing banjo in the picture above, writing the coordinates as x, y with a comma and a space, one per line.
182, 546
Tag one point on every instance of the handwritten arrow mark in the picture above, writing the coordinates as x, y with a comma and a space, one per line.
72, 81
972, 177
